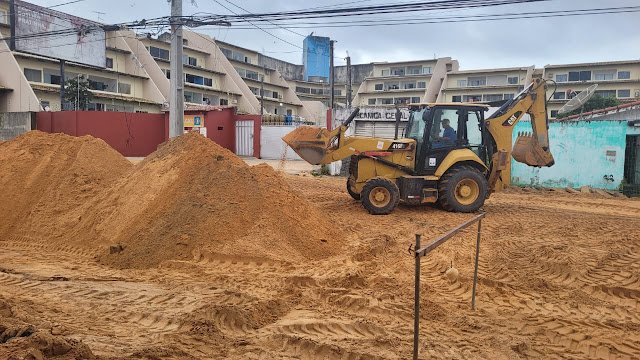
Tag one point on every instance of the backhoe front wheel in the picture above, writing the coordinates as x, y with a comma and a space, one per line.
462, 189
380, 196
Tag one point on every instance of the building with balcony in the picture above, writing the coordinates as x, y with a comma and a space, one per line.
484, 85
618, 79
403, 82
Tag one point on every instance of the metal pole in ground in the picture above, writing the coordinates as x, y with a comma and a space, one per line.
348, 82
331, 75
475, 271
416, 308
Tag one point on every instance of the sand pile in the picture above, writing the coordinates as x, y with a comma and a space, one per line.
47, 181
193, 198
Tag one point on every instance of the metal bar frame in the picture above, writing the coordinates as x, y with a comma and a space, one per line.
424, 251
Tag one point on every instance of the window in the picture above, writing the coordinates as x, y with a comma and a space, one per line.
471, 98
159, 53
574, 75
378, 87
462, 83
208, 82
492, 97
623, 75
51, 76
372, 101
303, 90
604, 75
409, 85
275, 95
422, 84
188, 60
224, 102
508, 96
124, 88
495, 80
167, 72
426, 70
606, 93
559, 95
402, 100
513, 80
561, 77
474, 135
399, 71
33, 75
4, 18
337, 92
185, 42
624, 93
554, 113
585, 75
385, 72
386, 101
109, 63
456, 98
414, 70
477, 81
415, 99
275, 111
444, 129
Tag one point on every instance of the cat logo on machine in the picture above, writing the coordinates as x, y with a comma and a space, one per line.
399, 146
512, 120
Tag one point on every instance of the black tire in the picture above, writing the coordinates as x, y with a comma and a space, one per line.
350, 190
380, 196
456, 183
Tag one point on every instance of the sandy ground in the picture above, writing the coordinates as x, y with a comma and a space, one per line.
559, 278
289, 167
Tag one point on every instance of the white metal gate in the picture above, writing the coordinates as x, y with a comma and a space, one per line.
244, 138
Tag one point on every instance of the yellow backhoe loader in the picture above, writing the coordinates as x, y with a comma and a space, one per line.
450, 154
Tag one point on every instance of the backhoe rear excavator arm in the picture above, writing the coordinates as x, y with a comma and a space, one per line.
530, 148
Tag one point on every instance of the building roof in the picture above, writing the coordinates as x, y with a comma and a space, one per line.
407, 61
450, 104
605, 111
477, 71
620, 62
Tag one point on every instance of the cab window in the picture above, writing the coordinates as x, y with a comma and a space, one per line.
474, 135
444, 131
416, 128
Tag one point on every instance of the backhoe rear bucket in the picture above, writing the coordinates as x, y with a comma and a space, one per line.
309, 142
528, 151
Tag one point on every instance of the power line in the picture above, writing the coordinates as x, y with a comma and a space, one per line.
243, 9
471, 18
65, 3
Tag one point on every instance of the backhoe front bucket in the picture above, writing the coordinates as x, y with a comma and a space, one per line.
309, 142
528, 151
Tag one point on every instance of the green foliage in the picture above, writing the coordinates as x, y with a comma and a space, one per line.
77, 94
596, 102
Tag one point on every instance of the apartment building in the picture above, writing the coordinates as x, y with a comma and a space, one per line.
618, 79
31, 80
404, 82
278, 97
484, 85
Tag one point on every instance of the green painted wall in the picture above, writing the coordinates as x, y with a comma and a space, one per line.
585, 152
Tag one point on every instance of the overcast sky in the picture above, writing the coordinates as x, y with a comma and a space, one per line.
475, 45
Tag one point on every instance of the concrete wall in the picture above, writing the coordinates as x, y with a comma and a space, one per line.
15, 124
288, 70
271, 145
584, 151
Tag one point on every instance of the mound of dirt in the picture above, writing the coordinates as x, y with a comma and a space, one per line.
192, 198
47, 181
20, 340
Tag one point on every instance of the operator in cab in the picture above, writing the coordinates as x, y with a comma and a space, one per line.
449, 134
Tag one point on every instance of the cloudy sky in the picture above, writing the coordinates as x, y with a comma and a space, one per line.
486, 44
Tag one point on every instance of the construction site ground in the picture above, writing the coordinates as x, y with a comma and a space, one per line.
558, 278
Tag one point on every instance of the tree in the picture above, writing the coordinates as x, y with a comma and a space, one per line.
77, 93
596, 102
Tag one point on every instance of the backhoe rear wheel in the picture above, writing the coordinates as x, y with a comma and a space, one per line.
462, 189
380, 196
351, 188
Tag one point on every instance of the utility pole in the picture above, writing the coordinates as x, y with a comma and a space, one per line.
332, 80
62, 81
176, 101
348, 82
264, 70
12, 21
